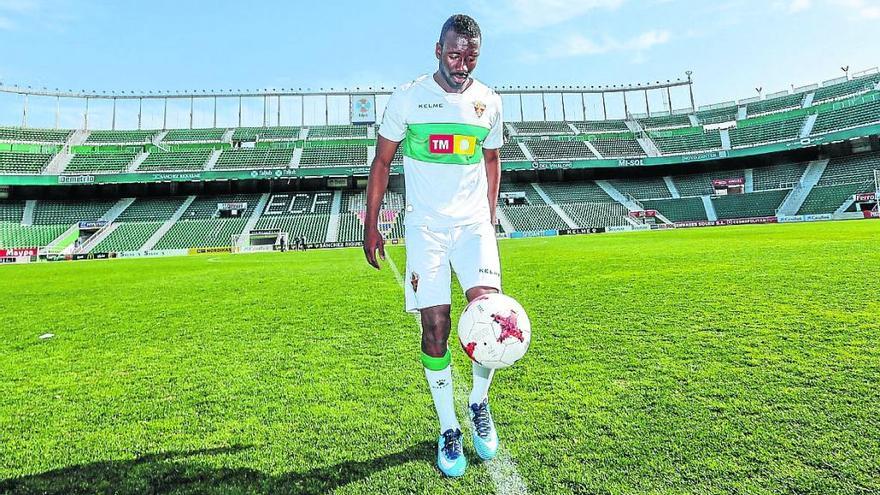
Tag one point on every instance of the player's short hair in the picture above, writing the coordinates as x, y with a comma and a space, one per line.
462, 24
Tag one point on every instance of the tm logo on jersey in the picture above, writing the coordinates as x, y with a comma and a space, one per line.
452, 144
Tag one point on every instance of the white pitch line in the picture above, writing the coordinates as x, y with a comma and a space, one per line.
502, 469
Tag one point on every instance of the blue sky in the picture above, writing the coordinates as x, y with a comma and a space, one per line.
731, 46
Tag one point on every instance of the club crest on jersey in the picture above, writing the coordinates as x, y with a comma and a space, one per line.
452, 144
414, 281
479, 108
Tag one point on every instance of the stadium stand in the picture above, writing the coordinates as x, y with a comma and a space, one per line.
331, 156
120, 137
847, 88
688, 143
847, 117
771, 105
576, 192
539, 128
200, 227
665, 122
177, 160
301, 214
700, 184
678, 210
652, 188
18, 134
67, 212
266, 134
592, 126
855, 169
337, 132
783, 176
354, 204
193, 135
24, 163
512, 152
558, 150
717, 115
759, 204
588, 215
618, 147
254, 158
766, 132
826, 199
524, 187
99, 162
137, 223
530, 218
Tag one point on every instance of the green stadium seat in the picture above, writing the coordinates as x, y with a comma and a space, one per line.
777, 104
767, 132
559, 150
337, 132
266, 134
758, 204
254, 158
652, 188
333, 156
194, 135
846, 89
176, 160
594, 126
27, 135
827, 199
100, 163
121, 137
679, 209
688, 143
717, 115
541, 128
847, 117
618, 147
24, 163
783, 176
665, 121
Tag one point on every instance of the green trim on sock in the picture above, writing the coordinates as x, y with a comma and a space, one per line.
436, 363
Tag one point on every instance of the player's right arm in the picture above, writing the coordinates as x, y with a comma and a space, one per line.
377, 184
391, 132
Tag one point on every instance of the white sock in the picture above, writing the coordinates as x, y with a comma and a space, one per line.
441, 390
482, 380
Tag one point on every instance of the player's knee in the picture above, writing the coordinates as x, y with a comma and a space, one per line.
435, 333
475, 292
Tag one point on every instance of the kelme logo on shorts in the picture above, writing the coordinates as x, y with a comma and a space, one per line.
452, 144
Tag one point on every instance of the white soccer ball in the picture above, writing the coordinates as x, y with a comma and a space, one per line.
494, 331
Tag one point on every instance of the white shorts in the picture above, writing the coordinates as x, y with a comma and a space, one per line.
433, 253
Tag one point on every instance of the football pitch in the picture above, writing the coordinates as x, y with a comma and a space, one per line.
717, 360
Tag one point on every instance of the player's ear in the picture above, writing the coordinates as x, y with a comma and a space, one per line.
438, 50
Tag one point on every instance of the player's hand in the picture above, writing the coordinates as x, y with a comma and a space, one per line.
373, 242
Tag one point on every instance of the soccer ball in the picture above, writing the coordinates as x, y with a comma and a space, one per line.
494, 331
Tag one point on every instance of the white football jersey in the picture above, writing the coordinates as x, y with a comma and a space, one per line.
442, 136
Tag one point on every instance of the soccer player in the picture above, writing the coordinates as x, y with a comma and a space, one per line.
449, 126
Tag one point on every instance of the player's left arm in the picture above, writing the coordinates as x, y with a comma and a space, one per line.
492, 157
493, 178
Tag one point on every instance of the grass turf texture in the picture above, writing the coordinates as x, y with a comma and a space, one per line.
722, 360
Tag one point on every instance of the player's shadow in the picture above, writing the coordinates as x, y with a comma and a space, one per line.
169, 473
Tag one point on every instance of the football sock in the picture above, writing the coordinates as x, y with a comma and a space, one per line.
438, 371
482, 380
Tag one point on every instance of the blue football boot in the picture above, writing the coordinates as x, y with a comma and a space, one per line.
450, 455
483, 430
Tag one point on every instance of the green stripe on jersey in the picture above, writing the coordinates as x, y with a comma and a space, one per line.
454, 144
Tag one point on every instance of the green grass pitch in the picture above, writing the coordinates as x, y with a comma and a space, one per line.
720, 360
